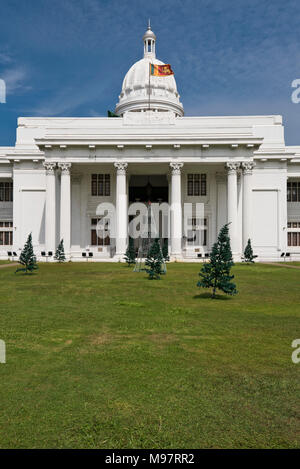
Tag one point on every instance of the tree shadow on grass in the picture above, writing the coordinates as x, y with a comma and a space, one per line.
25, 274
208, 295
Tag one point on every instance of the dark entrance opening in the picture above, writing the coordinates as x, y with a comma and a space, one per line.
149, 190
146, 189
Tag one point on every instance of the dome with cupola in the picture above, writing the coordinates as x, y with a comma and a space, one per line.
142, 91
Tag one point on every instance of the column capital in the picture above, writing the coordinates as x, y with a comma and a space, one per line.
49, 167
121, 167
248, 167
176, 168
232, 167
65, 168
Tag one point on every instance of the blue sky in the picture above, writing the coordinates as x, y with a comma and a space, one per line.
69, 57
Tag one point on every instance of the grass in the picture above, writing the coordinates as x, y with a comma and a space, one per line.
101, 357
283, 263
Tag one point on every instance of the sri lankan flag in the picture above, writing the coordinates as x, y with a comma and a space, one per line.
161, 70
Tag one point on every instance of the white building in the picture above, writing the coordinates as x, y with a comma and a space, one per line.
60, 169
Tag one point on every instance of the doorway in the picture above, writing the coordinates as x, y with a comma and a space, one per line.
152, 188
149, 189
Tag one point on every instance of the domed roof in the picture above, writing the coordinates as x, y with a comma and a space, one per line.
135, 89
149, 34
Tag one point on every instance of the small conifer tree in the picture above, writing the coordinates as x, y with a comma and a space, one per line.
27, 258
165, 251
248, 253
215, 274
60, 252
154, 261
130, 256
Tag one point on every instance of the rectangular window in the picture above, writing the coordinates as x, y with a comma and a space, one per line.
203, 184
196, 185
93, 238
190, 185
293, 191
196, 188
293, 234
98, 238
100, 185
107, 185
197, 236
6, 224
6, 191
94, 184
6, 233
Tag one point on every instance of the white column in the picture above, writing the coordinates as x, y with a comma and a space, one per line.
247, 201
121, 209
50, 207
76, 211
176, 210
232, 214
65, 206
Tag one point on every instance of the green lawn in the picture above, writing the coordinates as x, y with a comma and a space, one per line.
287, 263
101, 357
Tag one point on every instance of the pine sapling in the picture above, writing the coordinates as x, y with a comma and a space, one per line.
215, 274
130, 256
154, 261
60, 252
248, 253
27, 258
165, 251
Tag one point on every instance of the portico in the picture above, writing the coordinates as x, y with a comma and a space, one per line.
75, 206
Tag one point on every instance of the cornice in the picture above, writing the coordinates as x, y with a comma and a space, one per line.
153, 139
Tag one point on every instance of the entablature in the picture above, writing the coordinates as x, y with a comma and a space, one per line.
186, 140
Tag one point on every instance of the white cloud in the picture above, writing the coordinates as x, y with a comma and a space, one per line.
15, 79
68, 99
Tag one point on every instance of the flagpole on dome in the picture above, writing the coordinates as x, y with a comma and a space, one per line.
149, 52
149, 84
149, 29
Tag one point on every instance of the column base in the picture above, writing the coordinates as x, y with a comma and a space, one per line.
176, 257
119, 257
237, 257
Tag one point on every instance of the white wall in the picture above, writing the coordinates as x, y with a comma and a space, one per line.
214, 208
29, 204
269, 209
84, 205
